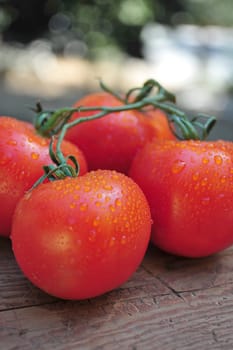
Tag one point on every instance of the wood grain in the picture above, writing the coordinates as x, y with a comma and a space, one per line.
169, 304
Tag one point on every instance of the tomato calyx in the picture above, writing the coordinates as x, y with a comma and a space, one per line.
60, 168
150, 94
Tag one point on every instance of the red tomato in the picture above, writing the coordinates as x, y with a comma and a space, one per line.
110, 142
22, 156
160, 124
189, 187
90, 233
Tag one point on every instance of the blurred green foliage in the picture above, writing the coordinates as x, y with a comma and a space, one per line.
94, 28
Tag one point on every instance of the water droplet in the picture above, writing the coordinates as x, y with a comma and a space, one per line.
196, 176
98, 203
112, 241
205, 200
108, 187
83, 207
123, 239
92, 236
5, 160
72, 205
178, 166
35, 155
118, 202
96, 222
12, 142
204, 181
205, 160
87, 189
218, 160
112, 208
223, 179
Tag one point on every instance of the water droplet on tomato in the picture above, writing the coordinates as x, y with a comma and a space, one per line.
112, 208
127, 224
204, 181
72, 205
196, 176
35, 155
108, 187
112, 241
205, 200
5, 160
118, 202
178, 166
223, 179
12, 142
218, 160
96, 222
205, 160
83, 207
123, 239
87, 189
92, 236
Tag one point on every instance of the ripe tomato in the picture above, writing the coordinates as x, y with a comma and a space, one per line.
112, 141
189, 187
160, 124
22, 156
90, 233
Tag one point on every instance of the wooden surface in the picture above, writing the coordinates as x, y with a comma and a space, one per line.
169, 304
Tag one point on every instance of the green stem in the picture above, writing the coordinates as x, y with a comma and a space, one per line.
49, 123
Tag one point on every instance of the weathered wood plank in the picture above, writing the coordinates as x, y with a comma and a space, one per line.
182, 274
200, 320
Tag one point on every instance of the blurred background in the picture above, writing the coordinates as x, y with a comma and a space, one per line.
55, 51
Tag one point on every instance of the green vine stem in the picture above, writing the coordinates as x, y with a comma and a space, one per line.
151, 94
51, 122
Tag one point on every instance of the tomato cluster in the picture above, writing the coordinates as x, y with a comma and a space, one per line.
80, 236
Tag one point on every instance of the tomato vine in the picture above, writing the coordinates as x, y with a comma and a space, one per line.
151, 94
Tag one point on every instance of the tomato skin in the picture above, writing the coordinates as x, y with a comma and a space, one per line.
110, 142
160, 123
81, 237
22, 156
189, 187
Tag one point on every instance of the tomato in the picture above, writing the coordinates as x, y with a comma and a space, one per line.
22, 156
112, 141
81, 237
189, 187
159, 121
